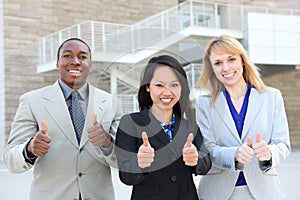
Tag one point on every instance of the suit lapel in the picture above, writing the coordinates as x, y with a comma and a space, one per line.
222, 111
254, 106
161, 138
57, 108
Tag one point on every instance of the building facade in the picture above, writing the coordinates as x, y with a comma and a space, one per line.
24, 23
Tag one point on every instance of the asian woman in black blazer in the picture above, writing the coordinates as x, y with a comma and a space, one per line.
158, 149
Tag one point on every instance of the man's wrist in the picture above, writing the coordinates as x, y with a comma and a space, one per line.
28, 156
109, 141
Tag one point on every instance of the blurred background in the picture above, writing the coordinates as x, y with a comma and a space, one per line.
123, 35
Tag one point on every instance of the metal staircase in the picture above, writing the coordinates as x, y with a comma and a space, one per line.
123, 49
120, 43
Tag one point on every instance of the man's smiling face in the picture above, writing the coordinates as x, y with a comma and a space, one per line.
74, 63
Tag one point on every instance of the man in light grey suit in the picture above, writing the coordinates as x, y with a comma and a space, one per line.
67, 165
244, 126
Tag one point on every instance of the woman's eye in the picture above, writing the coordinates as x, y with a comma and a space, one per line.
159, 85
217, 63
232, 59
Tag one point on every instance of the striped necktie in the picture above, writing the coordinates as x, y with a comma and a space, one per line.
77, 115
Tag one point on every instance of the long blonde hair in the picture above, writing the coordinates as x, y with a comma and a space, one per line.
227, 44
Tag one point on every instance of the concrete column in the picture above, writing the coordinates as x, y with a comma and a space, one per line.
2, 85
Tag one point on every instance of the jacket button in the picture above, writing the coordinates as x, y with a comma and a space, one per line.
80, 174
173, 178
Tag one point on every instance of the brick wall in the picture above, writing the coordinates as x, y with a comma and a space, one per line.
25, 21
289, 85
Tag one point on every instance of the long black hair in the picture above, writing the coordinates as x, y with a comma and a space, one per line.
144, 97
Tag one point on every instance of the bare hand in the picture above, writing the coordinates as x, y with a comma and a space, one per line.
190, 152
245, 153
40, 144
97, 135
261, 149
145, 154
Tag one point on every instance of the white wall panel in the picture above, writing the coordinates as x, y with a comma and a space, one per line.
260, 21
261, 38
273, 39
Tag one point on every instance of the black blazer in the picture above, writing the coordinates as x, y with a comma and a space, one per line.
167, 177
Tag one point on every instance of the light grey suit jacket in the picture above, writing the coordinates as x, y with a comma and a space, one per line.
265, 115
67, 168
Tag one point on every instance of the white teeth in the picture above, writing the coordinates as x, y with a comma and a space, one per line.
228, 75
74, 71
166, 100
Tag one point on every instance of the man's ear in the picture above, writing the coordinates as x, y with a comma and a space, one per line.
91, 66
57, 66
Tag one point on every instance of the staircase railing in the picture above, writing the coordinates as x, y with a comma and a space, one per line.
122, 38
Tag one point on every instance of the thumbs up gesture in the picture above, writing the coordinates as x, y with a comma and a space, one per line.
40, 144
249, 142
261, 149
145, 154
97, 135
190, 152
245, 153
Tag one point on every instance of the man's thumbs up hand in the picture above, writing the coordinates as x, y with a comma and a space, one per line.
44, 127
145, 154
40, 143
97, 135
94, 119
190, 152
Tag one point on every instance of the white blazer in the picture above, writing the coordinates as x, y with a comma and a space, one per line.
265, 115
67, 168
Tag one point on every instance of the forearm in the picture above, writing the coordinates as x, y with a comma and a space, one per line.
108, 154
14, 158
204, 164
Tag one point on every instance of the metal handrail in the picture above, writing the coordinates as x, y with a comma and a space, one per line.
122, 38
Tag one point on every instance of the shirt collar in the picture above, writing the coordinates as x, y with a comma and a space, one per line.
83, 91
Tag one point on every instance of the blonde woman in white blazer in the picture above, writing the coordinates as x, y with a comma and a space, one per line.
244, 126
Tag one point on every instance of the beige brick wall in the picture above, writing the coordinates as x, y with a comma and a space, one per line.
25, 21
289, 85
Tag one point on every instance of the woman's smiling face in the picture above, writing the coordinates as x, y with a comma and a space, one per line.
164, 88
228, 68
